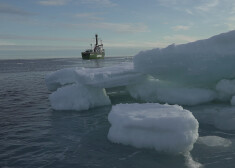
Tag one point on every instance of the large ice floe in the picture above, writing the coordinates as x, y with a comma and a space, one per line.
200, 63
167, 128
188, 74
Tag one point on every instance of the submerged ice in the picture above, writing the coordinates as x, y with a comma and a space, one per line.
214, 141
221, 116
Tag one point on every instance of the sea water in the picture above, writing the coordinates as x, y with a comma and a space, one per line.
32, 134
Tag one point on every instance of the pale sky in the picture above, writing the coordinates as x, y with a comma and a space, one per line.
125, 26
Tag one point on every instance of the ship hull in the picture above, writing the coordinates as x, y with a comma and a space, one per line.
86, 55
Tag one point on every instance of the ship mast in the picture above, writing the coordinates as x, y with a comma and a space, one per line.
96, 39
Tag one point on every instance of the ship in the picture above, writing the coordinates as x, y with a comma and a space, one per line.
96, 53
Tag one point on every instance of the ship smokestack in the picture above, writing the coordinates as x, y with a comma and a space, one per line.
96, 38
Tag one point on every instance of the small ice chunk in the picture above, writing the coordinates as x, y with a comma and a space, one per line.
78, 97
167, 128
214, 141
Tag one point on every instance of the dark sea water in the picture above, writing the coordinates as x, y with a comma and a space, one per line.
32, 134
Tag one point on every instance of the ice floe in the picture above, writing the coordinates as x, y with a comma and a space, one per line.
78, 97
106, 77
167, 128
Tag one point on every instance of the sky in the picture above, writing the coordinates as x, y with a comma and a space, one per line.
63, 28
